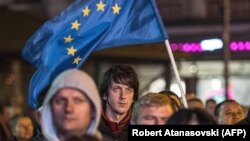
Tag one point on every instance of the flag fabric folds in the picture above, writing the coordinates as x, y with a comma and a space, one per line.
67, 40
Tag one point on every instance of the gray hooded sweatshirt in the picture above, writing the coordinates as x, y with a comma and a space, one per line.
71, 78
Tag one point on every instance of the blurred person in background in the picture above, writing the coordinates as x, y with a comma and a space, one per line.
195, 103
152, 109
210, 105
229, 112
194, 116
22, 127
5, 133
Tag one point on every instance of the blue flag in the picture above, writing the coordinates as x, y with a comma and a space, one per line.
85, 26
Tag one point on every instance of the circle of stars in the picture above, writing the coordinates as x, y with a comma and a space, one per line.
75, 25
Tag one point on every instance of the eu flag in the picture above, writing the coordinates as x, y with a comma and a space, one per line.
67, 40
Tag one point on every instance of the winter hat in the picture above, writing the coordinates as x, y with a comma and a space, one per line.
77, 79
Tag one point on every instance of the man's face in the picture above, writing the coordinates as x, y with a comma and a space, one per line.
71, 111
154, 115
24, 129
230, 113
120, 98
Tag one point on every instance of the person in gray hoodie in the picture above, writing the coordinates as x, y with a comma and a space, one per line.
72, 107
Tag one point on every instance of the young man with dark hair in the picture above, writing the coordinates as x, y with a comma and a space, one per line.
119, 89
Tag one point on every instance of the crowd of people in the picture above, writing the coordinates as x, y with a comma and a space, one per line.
75, 108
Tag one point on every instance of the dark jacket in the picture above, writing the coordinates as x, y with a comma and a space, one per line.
5, 134
38, 138
38, 135
108, 135
114, 131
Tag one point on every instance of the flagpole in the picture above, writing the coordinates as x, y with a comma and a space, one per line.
226, 40
183, 97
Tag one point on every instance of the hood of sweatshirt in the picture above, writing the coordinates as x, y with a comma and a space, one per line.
77, 79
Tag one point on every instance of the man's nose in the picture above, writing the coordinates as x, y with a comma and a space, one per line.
122, 94
69, 106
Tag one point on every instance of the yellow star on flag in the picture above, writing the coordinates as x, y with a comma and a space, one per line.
100, 6
77, 60
86, 11
75, 25
116, 9
71, 51
68, 39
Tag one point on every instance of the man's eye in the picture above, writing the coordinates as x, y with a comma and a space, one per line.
78, 101
130, 90
116, 89
240, 113
60, 101
229, 113
149, 118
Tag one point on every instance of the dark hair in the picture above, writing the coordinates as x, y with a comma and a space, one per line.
248, 116
209, 101
195, 100
3, 105
13, 121
183, 116
1, 108
121, 74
